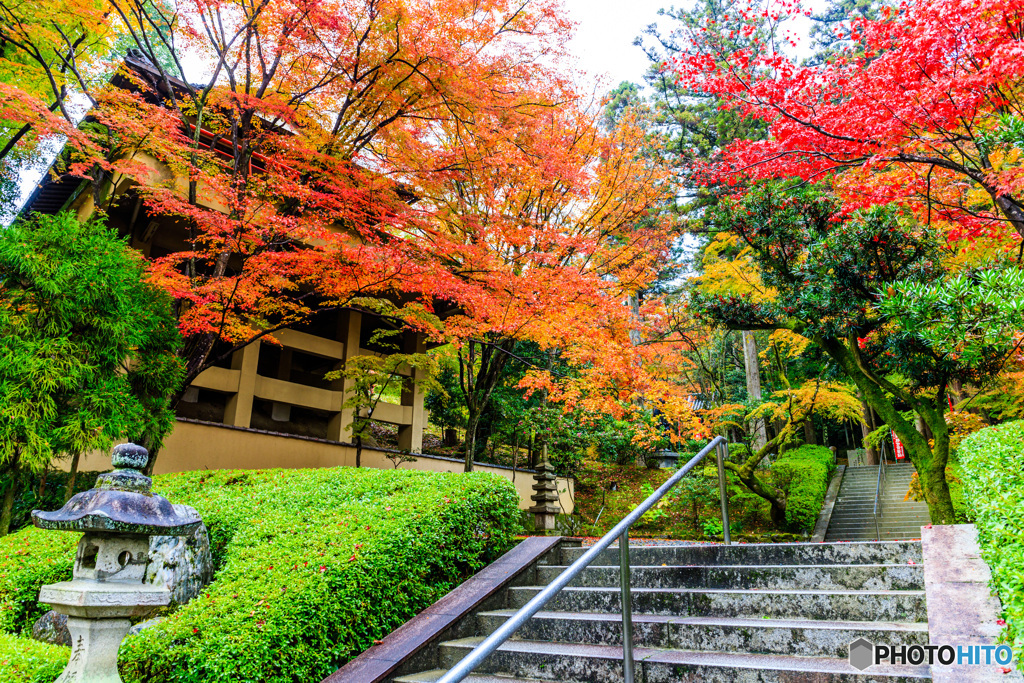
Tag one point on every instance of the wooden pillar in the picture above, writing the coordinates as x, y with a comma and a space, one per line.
282, 412
340, 426
238, 411
410, 437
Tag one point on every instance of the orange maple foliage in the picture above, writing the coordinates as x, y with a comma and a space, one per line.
276, 164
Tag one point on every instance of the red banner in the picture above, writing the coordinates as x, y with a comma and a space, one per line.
897, 446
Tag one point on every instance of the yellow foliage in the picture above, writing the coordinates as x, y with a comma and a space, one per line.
729, 269
828, 399
787, 343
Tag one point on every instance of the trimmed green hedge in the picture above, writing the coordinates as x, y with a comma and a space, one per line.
29, 559
803, 473
312, 566
992, 463
23, 660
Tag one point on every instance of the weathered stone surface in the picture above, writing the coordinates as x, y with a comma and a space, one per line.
120, 504
182, 563
872, 577
94, 650
887, 552
142, 625
103, 599
52, 628
780, 604
961, 608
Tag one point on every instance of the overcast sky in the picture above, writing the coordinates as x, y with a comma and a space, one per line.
603, 44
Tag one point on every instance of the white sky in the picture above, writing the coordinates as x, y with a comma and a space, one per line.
603, 43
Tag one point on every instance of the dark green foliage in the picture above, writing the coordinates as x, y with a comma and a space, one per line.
992, 463
311, 567
23, 660
830, 33
803, 474
51, 497
89, 346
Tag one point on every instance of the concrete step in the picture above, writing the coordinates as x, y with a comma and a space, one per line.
829, 576
758, 554
764, 636
573, 663
844, 605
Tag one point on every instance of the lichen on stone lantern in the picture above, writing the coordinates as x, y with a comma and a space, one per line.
108, 586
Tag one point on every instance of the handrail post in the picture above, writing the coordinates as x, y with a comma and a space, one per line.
627, 607
721, 451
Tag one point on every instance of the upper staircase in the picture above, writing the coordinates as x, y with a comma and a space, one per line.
853, 515
783, 612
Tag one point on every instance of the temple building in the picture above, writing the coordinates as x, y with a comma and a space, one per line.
268, 404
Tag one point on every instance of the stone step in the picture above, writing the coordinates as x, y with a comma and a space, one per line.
764, 636
869, 535
870, 502
435, 674
902, 606
758, 554
822, 577
883, 519
573, 663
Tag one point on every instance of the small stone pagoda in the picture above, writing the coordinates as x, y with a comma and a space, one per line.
108, 587
546, 508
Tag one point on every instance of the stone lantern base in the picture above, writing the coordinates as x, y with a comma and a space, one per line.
98, 618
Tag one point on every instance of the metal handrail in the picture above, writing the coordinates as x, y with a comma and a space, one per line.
878, 490
621, 532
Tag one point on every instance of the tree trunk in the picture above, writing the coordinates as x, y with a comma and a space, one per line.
471, 441
8, 505
871, 457
930, 462
758, 435
809, 436
42, 481
69, 488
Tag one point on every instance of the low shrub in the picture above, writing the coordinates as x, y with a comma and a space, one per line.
23, 660
28, 559
311, 566
992, 465
803, 474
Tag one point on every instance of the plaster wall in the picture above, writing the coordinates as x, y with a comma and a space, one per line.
193, 446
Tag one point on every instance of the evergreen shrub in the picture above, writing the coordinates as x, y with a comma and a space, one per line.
992, 466
803, 474
23, 660
311, 567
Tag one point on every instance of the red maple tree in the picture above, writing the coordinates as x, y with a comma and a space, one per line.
926, 111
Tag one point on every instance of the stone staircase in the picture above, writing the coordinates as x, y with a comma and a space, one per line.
785, 612
853, 518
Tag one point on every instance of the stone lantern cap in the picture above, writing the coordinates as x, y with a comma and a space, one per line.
121, 503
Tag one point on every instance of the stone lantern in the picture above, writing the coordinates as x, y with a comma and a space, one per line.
108, 587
